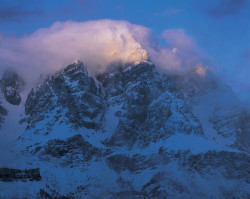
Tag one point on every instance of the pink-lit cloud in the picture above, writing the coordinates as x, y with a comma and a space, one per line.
97, 43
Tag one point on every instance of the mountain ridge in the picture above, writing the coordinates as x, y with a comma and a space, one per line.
128, 133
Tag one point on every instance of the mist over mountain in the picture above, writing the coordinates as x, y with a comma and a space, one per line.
99, 109
97, 44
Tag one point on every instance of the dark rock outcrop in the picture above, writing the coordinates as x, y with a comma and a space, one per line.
71, 96
71, 151
12, 85
9, 175
232, 165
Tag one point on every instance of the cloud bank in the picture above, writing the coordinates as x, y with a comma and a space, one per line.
97, 43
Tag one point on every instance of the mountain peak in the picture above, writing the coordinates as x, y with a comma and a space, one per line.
129, 133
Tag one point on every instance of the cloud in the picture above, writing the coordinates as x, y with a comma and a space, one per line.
97, 44
227, 8
168, 12
15, 12
178, 38
179, 56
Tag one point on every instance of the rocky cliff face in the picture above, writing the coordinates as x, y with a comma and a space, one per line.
71, 96
11, 85
151, 109
232, 122
128, 133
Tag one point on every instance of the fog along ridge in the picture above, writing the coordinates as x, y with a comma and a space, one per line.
130, 132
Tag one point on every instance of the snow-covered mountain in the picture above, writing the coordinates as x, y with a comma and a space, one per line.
131, 132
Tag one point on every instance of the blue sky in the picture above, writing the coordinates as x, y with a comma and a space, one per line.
220, 28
